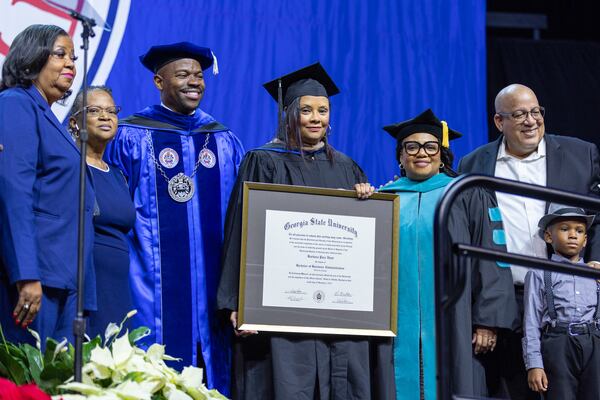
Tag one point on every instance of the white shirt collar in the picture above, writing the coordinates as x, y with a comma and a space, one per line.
536, 155
163, 104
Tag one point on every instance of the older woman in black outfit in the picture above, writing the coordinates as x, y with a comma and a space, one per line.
116, 214
39, 186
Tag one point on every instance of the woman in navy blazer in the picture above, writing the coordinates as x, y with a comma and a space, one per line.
39, 187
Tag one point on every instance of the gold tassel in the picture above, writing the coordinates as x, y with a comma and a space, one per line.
445, 139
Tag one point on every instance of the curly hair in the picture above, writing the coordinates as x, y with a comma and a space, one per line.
446, 156
293, 135
28, 55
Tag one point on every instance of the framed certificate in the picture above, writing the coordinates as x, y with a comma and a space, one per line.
318, 260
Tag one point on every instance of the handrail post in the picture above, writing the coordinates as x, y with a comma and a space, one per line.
444, 251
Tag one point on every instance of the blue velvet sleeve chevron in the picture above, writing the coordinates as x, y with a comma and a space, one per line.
498, 234
493, 293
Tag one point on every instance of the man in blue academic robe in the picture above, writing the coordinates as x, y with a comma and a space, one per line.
181, 165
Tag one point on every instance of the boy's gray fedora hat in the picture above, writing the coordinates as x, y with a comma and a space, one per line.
556, 211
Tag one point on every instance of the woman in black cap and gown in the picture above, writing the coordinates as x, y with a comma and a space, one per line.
294, 366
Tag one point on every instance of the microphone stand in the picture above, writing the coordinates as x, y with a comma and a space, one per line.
79, 321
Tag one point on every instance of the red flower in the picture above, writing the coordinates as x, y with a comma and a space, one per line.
10, 391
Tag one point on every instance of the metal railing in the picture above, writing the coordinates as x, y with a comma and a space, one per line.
450, 279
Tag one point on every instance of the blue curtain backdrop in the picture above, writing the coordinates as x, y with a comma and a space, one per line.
391, 60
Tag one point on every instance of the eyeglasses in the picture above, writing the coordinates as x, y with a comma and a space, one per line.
520, 116
61, 55
412, 148
95, 111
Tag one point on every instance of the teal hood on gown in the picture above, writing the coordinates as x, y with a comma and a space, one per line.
415, 343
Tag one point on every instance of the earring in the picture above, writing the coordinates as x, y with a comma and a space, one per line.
401, 166
328, 130
74, 131
441, 166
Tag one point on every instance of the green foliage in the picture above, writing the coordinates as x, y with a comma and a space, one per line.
88, 347
115, 367
24, 364
137, 334
13, 368
34, 362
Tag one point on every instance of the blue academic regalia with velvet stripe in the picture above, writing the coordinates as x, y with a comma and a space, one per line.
488, 299
176, 247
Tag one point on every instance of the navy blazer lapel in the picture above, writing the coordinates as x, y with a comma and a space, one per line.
37, 97
489, 161
63, 131
554, 161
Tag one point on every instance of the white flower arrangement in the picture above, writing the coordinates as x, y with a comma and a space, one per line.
119, 370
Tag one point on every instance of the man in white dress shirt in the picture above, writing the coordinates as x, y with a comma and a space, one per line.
521, 157
525, 153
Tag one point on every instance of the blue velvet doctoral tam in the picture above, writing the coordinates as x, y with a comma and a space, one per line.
176, 246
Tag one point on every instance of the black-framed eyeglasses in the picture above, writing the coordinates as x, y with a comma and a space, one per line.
95, 111
412, 148
519, 116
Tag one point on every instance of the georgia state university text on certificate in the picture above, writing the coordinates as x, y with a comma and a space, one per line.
318, 261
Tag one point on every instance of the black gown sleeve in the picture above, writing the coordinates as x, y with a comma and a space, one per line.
476, 220
360, 175
257, 166
488, 299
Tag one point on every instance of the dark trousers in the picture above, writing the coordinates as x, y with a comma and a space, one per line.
572, 365
504, 367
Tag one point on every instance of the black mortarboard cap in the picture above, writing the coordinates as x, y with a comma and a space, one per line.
308, 81
159, 56
425, 122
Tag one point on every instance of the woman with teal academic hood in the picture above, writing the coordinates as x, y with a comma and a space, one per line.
425, 162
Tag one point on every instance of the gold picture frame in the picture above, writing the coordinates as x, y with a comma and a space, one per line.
383, 207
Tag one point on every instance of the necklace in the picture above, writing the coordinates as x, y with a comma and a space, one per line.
98, 164
104, 169
181, 186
